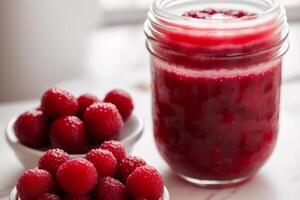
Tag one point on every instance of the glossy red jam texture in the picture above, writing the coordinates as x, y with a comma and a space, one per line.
215, 119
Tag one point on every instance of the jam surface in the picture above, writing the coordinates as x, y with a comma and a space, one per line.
218, 14
215, 119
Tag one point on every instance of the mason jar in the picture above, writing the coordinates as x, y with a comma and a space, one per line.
216, 75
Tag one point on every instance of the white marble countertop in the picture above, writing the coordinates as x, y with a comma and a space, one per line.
279, 179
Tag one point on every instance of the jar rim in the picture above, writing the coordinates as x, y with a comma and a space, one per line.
159, 12
161, 20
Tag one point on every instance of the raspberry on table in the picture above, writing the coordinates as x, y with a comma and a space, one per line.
83, 197
52, 159
85, 101
103, 121
145, 182
68, 133
104, 161
109, 188
49, 196
128, 165
115, 148
77, 176
34, 183
122, 100
30, 129
58, 103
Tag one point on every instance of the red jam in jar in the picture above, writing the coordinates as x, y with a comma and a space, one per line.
216, 76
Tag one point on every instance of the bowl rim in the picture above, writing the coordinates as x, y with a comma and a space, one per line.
14, 196
15, 143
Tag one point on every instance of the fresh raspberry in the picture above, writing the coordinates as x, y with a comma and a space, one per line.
128, 165
85, 101
83, 197
68, 133
116, 148
58, 103
34, 183
30, 128
103, 121
52, 159
49, 196
77, 176
122, 100
145, 182
104, 161
109, 188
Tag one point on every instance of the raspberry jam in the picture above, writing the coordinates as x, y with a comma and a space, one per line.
216, 77
218, 14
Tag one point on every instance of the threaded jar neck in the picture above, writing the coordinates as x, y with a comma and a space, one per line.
167, 28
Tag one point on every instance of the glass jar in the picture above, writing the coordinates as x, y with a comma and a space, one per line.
216, 85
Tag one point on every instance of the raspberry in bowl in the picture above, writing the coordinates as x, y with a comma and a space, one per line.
216, 75
73, 124
58, 176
